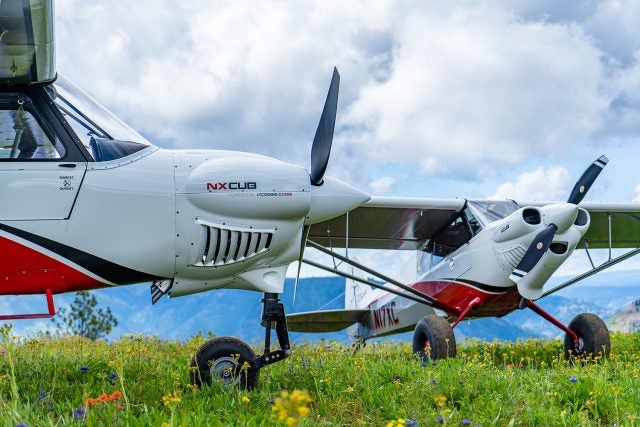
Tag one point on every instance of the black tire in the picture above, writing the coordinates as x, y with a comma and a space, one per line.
222, 359
433, 339
593, 335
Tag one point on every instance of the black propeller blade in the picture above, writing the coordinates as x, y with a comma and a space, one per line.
305, 235
324, 134
535, 251
586, 180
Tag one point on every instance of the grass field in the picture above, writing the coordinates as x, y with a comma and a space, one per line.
141, 381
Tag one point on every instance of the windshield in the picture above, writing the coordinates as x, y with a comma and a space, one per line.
488, 211
102, 133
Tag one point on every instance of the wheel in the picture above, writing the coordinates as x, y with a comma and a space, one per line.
224, 360
433, 339
593, 338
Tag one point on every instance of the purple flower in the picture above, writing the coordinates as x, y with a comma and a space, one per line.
573, 380
434, 381
411, 422
113, 376
21, 425
42, 395
466, 422
397, 377
84, 369
440, 419
79, 413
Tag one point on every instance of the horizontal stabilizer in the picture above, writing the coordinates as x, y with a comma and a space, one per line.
325, 320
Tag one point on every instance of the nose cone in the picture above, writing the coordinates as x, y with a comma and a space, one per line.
563, 215
333, 198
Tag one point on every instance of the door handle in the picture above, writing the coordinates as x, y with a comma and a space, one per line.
67, 165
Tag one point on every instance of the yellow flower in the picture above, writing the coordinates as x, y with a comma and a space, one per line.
291, 421
171, 399
245, 399
440, 400
291, 407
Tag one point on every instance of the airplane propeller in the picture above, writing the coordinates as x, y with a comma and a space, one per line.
536, 249
320, 151
323, 138
562, 217
587, 179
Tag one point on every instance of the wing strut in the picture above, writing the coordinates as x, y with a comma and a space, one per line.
366, 282
431, 301
589, 273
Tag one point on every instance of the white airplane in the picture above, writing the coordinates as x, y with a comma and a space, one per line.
473, 259
88, 203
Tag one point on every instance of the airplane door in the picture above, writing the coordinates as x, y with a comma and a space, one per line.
39, 175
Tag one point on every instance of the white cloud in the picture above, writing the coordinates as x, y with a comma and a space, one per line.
477, 87
448, 88
552, 183
383, 184
637, 198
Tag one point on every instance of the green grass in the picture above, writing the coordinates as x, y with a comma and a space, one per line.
523, 384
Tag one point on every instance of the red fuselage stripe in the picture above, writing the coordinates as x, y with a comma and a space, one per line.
26, 271
453, 297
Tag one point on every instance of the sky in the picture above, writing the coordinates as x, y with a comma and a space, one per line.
493, 99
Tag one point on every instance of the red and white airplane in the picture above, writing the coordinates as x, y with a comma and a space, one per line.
473, 259
88, 203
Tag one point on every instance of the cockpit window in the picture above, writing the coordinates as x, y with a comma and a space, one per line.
487, 211
23, 134
104, 135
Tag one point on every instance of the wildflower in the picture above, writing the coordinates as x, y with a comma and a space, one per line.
171, 399
440, 400
113, 376
440, 419
21, 425
434, 381
291, 407
84, 369
466, 422
397, 378
411, 422
79, 413
573, 380
245, 399
42, 395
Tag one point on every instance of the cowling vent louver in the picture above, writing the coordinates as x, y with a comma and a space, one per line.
223, 245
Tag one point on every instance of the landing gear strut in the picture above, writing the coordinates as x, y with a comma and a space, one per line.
230, 361
586, 336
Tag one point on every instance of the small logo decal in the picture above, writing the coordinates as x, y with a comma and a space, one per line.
539, 245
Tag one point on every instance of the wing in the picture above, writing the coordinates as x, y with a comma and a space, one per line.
406, 223
324, 321
26, 41
387, 223
625, 224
